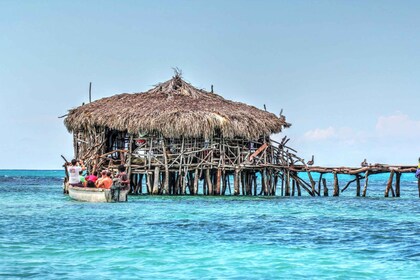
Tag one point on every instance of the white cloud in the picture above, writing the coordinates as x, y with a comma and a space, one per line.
398, 125
320, 134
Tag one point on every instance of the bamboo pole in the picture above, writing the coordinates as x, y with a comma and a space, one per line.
389, 183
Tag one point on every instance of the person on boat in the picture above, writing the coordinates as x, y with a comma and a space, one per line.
91, 179
105, 183
74, 169
103, 176
82, 178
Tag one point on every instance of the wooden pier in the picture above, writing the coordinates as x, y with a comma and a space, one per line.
360, 173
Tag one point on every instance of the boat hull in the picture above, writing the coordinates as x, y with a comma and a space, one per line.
96, 195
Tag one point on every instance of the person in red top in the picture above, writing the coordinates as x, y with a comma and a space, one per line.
91, 179
105, 183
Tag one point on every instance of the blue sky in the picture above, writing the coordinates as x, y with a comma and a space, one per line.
346, 73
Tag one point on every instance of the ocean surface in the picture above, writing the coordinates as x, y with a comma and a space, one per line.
46, 235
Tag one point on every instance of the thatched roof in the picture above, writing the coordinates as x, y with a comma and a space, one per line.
175, 108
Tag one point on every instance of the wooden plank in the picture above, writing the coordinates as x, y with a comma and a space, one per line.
257, 152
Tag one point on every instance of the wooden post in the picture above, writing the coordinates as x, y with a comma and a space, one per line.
165, 158
218, 179
319, 184
357, 185
224, 183
282, 184
389, 184
312, 182
324, 182
336, 186
183, 182
236, 182
287, 181
298, 188
156, 180
366, 183
397, 184
130, 150
265, 183
293, 187
196, 177
254, 179
209, 183
149, 183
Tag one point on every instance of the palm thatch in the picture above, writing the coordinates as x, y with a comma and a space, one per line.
175, 108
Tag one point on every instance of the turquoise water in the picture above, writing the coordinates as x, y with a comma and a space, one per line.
46, 235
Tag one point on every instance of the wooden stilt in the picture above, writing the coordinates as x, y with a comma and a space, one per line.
298, 188
293, 187
196, 177
397, 184
357, 185
287, 183
254, 179
165, 158
336, 186
282, 184
264, 181
149, 183
156, 181
218, 180
224, 182
324, 182
319, 184
389, 183
236, 182
366, 183
209, 183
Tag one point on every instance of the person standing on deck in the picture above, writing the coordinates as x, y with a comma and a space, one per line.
418, 170
73, 170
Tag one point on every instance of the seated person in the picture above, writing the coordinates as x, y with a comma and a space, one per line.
82, 179
103, 176
105, 183
91, 179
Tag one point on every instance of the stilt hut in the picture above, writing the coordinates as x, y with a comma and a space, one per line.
178, 139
